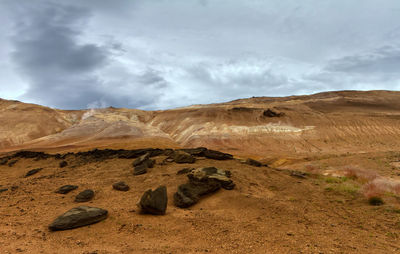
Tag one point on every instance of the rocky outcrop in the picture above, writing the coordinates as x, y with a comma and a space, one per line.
217, 155
78, 217
154, 202
202, 181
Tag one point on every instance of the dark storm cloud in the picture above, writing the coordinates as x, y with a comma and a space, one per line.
62, 71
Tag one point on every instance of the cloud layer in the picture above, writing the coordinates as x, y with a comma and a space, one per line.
161, 54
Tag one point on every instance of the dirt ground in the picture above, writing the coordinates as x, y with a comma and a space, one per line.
269, 211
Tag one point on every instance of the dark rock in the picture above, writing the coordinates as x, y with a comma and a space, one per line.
11, 163
141, 159
271, 113
183, 157
217, 155
202, 181
31, 155
168, 152
142, 168
3, 190
78, 217
121, 186
242, 109
84, 196
33, 171
66, 189
3, 161
63, 164
199, 151
253, 162
154, 202
14, 188
184, 171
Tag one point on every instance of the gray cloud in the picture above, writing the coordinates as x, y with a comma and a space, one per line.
160, 54
63, 72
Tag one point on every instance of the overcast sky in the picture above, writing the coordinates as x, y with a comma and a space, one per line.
159, 54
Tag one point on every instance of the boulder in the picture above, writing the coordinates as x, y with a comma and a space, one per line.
154, 202
202, 181
141, 159
84, 196
63, 164
183, 157
33, 171
217, 155
142, 168
121, 186
66, 189
78, 217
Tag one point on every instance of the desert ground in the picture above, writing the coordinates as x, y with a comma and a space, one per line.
322, 158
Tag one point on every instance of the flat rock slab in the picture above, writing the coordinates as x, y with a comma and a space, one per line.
84, 196
154, 202
33, 171
121, 186
66, 189
78, 217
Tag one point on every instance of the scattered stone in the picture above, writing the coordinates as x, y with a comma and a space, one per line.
168, 152
11, 163
183, 157
217, 155
66, 189
184, 171
33, 171
63, 164
84, 196
143, 166
121, 186
78, 217
3, 190
154, 202
253, 162
14, 188
201, 181
298, 174
375, 201
271, 113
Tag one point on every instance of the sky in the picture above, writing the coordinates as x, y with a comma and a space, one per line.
161, 54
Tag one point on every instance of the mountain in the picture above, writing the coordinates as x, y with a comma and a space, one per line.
330, 122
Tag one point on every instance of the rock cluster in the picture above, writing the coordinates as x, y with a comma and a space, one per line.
202, 181
142, 163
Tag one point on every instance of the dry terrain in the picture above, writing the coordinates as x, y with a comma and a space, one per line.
324, 156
